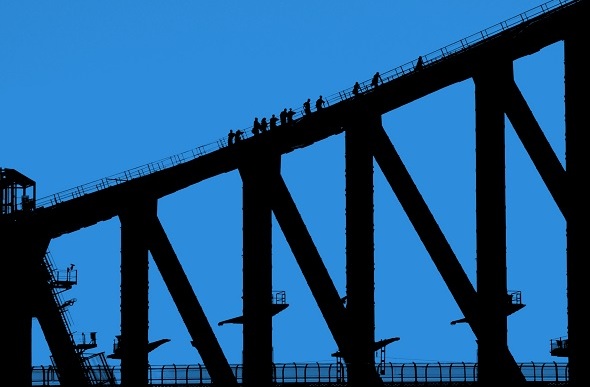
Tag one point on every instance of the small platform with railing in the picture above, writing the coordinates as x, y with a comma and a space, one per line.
558, 347
84, 341
513, 304
279, 303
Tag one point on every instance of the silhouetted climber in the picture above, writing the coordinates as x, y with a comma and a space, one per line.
376, 79
256, 127
419, 64
273, 122
356, 89
290, 115
69, 271
283, 117
263, 125
238, 136
319, 104
230, 137
307, 107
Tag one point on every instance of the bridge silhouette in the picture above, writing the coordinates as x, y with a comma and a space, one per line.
28, 225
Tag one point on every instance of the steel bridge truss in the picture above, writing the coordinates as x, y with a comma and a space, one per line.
26, 235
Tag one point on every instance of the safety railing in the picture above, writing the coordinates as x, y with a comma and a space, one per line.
327, 373
558, 344
279, 297
407, 68
56, 291
515, 297
454, 48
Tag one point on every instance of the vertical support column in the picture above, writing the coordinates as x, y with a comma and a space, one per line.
490, 86
18, 304
135, 220
577, 213
360, 259
258, 171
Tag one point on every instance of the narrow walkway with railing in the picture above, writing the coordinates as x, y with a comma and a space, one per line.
329, 373
365, 86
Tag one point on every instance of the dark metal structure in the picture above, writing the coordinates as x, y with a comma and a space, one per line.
334, 374
26, 230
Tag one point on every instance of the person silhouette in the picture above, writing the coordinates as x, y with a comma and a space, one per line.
307, 107
356, 89
290, 115
283, 117
319, 103
238, 135
376, 79
256, 127
230, 137
263, 125
273, 122
419, 64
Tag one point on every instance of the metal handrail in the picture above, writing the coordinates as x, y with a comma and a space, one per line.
454, 48
326, 373
405, 69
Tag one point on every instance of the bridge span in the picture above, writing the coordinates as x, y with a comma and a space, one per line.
28, 224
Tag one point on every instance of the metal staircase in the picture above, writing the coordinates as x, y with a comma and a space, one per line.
95, 366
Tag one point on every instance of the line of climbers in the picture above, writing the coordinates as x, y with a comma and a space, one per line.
258, 127
286, 117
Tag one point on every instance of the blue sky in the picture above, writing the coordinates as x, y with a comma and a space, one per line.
90, 89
